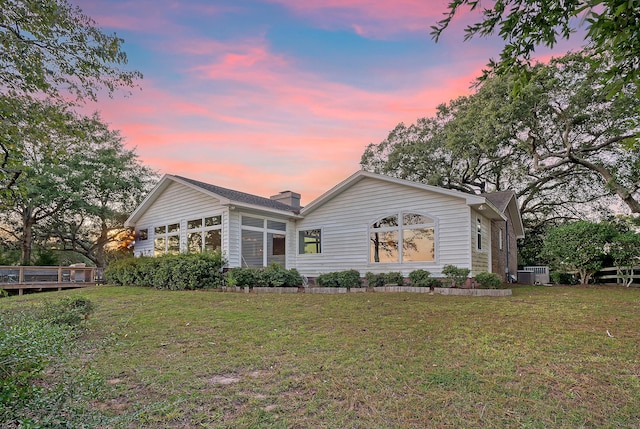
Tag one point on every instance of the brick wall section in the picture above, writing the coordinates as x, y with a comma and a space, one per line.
499, 256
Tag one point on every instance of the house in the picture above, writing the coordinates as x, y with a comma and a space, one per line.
368, 222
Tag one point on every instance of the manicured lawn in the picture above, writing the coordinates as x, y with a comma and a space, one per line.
544, 357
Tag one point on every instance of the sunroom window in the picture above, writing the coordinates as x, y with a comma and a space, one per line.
412, 240
204, 234
263, 241
166, 239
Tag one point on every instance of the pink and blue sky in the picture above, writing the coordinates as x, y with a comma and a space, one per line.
263, 96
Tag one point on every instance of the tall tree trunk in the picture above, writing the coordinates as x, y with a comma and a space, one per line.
26, 241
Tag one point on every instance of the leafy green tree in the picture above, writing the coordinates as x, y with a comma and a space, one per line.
579, 246
613, 33
625, 251
76, 187
561, 144
49, 50
111, 182
51, 47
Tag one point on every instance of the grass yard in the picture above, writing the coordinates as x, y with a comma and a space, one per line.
544, 357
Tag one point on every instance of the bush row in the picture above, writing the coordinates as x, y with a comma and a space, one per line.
174, 272
272, 276
455, 277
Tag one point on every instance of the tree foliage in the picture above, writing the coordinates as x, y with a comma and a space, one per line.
51, 47
561, 144
76, 188
50, 54
613, 33
584, 247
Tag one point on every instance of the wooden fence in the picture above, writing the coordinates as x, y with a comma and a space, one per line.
22, 278
619, 275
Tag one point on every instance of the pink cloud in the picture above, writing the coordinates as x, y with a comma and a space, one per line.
270, 120
370, 18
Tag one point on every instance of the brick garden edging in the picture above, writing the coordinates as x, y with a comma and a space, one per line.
383, 289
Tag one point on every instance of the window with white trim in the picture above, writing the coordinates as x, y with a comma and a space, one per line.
142, 234
401, 238
204, 234
263, 241
310, 241
479, 234
166, 239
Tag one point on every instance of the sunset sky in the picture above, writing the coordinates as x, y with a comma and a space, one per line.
273, 95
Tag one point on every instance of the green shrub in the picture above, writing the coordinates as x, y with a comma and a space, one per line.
293, 279
349, 279
489, 280
346, 279
457, 276
561, 278
374, 280
243, 277
328, 280
393, 278
272, 276
422, 278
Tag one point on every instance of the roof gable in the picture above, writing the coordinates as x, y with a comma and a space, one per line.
507, 203
238, 197
226, 197
470, 199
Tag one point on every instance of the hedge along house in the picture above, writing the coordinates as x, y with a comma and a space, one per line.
368, 222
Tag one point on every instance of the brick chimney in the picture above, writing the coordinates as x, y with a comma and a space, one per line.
289, 198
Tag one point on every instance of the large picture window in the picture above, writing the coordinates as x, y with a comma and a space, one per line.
402, 237
204, 234
263, 242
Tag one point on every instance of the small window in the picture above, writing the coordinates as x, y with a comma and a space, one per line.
160, 230
278, 226
173, 228
415, 219
212, 221
212, 240
479, 233
252, 221
500, 239
387, 222
193, 224
309, 241
143, 234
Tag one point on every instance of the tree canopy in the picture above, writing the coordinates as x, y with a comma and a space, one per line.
76, 189
561, 144
613, 33
49, 52
585, 247
51, 47
66, 180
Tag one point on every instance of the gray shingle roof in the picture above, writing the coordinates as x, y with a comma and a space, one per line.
499, 199
240, 197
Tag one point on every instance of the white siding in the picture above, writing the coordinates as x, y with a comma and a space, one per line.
345, 221
178, 204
